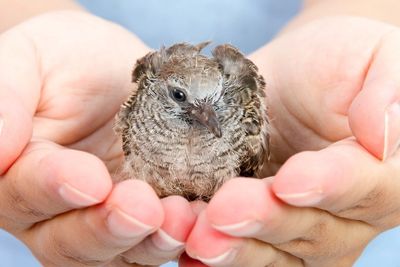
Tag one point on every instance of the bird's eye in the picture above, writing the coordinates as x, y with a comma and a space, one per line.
178, 95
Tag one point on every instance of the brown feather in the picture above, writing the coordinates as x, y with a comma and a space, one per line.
168, 147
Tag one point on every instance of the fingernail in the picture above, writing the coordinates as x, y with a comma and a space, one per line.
305, 199
392, 130
246, 228
120, 224
165, 242
225, 259
76, 197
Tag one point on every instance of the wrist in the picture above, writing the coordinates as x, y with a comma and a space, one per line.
382, 10
16, 11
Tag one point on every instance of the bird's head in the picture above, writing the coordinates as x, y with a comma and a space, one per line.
189, 85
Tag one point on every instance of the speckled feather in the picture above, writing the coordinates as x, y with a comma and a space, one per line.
167, 147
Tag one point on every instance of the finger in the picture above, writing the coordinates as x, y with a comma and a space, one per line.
168, 242
216, 249
307, 233
374, 115
246, 207
19, 93
95, 236
48, 180
345, 180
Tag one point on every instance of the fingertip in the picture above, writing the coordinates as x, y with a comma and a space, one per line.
139, 200
168, 241
240, 199
320, 178
367, 124
80, 178
368, 112
179, 217
15, 131
304, 172
206, 242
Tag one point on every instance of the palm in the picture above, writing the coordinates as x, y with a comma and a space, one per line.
311, 85
84, 76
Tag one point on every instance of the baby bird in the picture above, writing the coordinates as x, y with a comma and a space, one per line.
194, 121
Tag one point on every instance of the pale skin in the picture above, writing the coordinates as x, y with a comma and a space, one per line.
334, 88
59, 199
60, 88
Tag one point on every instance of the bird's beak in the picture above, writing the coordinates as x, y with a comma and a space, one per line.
206, 115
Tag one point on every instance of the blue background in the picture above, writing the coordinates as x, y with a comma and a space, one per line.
246, 24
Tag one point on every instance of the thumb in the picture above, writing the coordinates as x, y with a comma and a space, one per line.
19, 95
374, 115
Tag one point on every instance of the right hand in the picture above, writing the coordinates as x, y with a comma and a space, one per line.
332, 87
63, 76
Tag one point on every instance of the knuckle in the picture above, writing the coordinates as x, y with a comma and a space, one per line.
268, 255
21, 207
66, 254
371, 208
300, 247
308, 246
16, 211
325, 240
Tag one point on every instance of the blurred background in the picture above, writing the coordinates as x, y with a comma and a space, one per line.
247, 24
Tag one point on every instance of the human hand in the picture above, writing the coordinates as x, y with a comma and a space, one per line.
63, 76
332, 88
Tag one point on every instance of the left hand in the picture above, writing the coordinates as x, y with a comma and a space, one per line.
63, 76
332, 87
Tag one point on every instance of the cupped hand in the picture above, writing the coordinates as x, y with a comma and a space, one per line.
333, 92
63, 77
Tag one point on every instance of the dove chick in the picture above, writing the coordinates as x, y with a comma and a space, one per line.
194, 121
